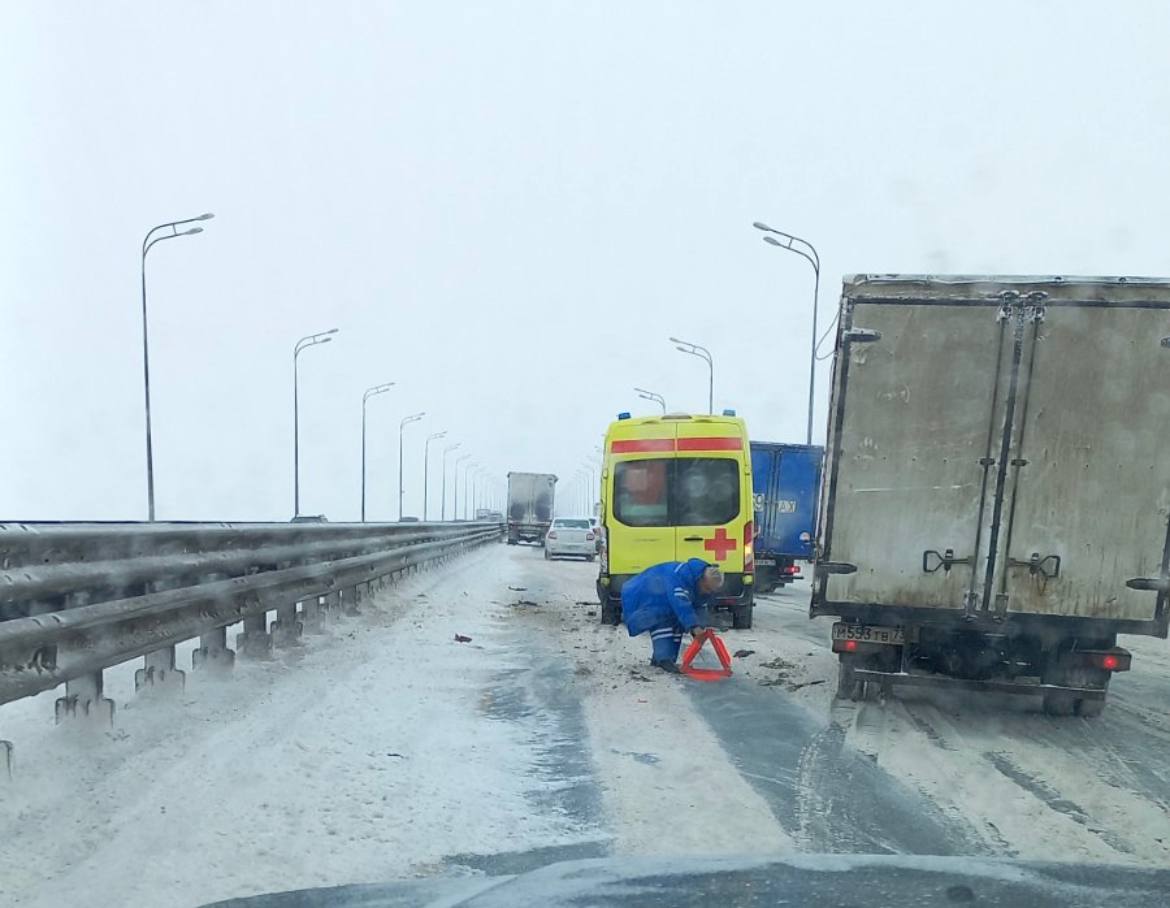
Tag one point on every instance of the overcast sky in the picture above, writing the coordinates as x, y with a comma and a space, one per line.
506, 208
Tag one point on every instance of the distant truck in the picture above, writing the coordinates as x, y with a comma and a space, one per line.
530, 506
996, 502
786, 481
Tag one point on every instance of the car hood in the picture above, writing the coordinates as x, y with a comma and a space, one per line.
865, 881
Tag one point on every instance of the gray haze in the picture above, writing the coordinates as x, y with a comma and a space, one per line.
506, 208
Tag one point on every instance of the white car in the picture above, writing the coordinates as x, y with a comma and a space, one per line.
570, 536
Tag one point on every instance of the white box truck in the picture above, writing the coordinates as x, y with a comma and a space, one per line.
996, 501
530, 506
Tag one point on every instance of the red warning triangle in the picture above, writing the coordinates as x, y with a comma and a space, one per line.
707, 674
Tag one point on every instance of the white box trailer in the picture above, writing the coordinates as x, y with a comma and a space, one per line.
530, 506
996, 502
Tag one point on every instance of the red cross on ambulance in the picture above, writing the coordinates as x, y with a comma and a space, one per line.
720, 544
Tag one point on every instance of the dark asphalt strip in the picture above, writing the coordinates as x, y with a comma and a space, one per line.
829, 797
541, 695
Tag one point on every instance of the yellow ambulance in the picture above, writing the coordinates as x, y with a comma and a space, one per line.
675, 487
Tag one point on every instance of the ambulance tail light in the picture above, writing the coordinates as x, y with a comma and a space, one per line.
749, 549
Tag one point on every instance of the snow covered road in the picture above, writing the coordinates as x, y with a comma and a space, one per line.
385, 748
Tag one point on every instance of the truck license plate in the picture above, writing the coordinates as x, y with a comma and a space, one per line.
868, 633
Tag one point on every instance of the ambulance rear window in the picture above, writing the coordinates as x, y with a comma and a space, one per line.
640, 498
705, 491
687, 491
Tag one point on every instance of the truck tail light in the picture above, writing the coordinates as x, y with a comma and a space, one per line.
791, 569
749, 550
1110, 660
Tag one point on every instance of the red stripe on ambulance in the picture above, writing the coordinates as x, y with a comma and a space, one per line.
641, 445
710, 444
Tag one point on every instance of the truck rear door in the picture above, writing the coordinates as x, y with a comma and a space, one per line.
912, 411
1087, 493
1000, 450
794, 511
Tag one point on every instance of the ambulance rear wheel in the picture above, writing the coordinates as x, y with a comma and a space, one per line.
611, 611
741, 616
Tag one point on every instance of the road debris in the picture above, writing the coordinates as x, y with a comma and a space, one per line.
460, 638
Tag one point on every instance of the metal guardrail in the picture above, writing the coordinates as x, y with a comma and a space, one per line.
76, 599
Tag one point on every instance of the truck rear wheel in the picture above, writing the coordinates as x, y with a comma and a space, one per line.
741, 616
1090, 709
1058, 703
848, 686
1066, 703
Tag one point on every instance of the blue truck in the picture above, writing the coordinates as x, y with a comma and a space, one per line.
786, 480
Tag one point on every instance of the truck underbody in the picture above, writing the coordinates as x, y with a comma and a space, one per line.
776, 570
526, 532
1068, 662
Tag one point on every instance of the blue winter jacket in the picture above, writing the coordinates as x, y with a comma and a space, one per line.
664, 595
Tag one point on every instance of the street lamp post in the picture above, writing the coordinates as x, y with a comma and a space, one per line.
808, 252
650, 395
443, 508
370, 392
590, 489
310, 340
455, 504
148, 243
414, 417
466, 477
704, 354
426, 466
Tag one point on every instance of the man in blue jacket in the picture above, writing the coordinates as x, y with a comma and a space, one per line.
666, 600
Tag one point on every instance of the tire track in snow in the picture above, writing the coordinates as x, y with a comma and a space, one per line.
829, 796
1052, 798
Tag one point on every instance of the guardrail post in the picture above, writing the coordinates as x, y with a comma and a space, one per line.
83, 700
351, 599
213, 652
312, 618
255, 641
6, 758
286, 629
158, 671
331, 606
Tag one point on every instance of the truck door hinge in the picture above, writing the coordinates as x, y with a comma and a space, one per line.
1036, 309
1001, 605
932, 560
